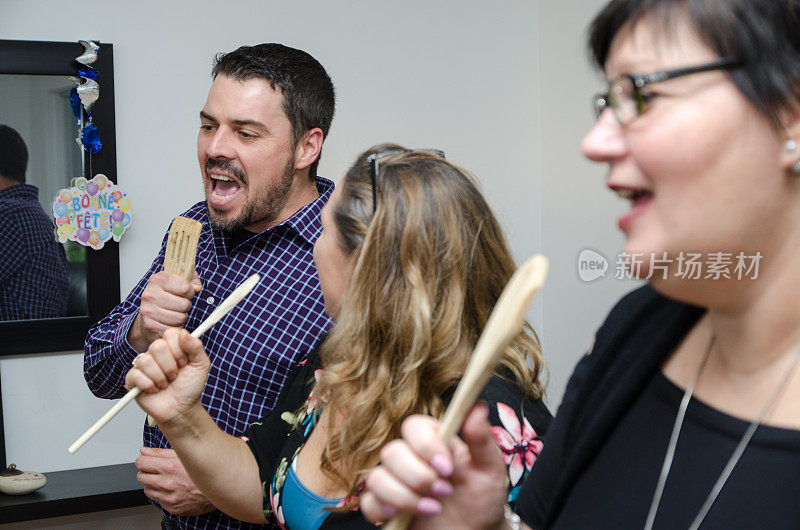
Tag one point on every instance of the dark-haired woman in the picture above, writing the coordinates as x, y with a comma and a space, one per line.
685, 414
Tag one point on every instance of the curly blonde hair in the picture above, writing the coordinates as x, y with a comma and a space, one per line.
428, 267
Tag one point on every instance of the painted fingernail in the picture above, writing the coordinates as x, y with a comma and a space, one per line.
441, 488
429, 506
442, 465
389, 510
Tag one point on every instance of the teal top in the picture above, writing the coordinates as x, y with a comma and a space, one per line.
302, 508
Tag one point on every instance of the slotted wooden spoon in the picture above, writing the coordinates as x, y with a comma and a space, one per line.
181, 250
180, 255
503, 325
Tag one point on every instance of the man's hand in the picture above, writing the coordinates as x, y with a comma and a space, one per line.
165, 480
166, 301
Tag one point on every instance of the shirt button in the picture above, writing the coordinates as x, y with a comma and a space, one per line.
211, 299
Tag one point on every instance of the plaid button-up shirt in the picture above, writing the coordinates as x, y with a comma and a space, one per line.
34, 281
253, 348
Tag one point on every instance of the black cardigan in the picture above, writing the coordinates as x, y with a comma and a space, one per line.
629, 348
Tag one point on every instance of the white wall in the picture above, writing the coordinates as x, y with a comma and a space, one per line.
502, 87
577, 210
460, 76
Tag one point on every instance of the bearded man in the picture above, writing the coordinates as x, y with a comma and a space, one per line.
267, 114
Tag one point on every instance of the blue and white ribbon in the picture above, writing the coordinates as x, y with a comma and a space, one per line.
83, 96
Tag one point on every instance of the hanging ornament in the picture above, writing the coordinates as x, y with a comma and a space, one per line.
88, 89
83, 96
90, 55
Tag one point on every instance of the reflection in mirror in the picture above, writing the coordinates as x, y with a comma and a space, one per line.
39, 277
101, 269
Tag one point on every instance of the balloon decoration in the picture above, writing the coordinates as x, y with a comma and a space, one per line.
82, 97
91, 212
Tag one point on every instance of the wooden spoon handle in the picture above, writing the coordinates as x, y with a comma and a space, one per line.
234, 298
503, 325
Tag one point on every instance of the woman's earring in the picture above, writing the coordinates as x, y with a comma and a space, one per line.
791, 146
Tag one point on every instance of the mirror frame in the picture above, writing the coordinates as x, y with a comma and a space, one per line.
102, 266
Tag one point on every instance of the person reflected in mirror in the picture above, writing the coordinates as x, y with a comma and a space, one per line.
411, 260
34, 280
259, 140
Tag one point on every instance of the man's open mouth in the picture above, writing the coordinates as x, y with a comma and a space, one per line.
223, 189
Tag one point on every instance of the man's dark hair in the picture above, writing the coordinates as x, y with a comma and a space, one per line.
13, 154
308, 96
763, 34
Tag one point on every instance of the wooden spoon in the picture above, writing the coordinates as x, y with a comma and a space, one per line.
181, 251
180, 255
234, 298
503, 325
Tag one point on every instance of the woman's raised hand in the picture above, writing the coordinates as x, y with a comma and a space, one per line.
460, 486
171, 374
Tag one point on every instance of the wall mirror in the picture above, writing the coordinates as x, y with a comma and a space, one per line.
34, 100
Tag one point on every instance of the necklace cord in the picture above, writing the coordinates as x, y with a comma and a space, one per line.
673, 441
735, 456
737, 453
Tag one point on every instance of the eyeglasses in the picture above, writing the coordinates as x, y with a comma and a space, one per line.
375, 157
625, 96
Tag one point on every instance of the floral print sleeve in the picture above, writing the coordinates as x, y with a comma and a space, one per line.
267, 438
518, 425
518, 428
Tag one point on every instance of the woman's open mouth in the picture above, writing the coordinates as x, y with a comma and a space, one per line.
640, 199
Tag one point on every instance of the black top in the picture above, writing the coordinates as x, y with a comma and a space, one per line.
518, 425
605, 450
762, 491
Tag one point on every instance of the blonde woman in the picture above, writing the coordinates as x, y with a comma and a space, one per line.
411, 261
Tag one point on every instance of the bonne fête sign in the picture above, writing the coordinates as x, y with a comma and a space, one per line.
91, 212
